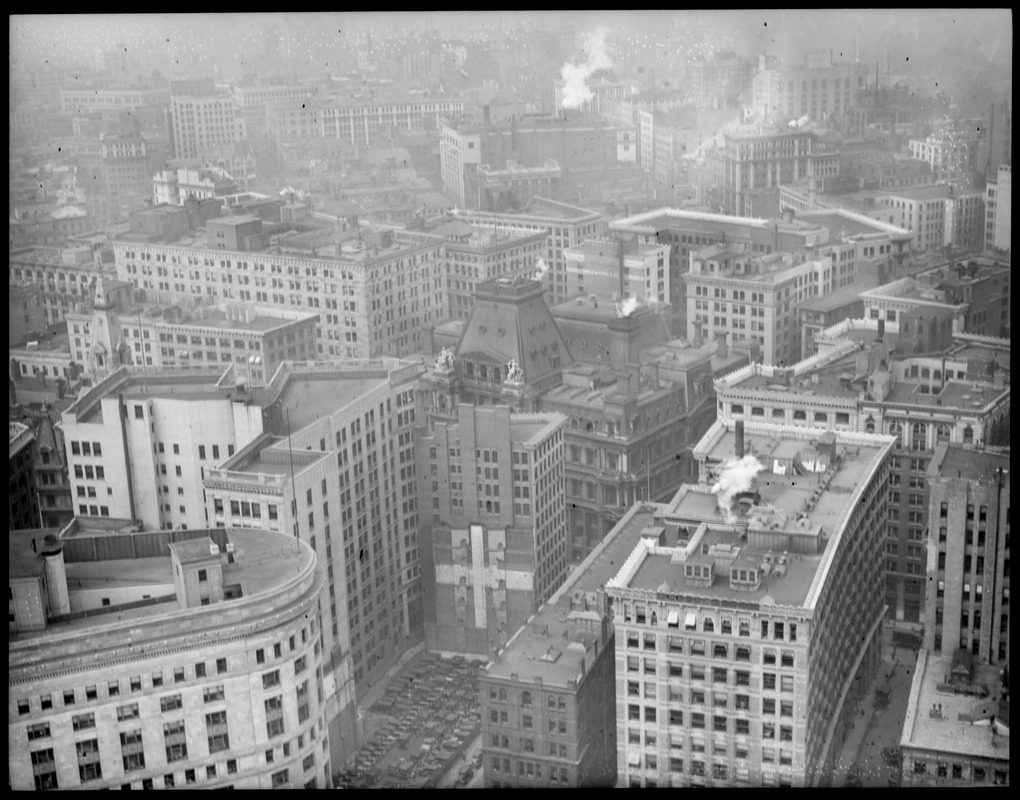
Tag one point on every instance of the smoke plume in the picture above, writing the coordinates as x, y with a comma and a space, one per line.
736, 475
542, 268
626, 307
575, 76
799, 123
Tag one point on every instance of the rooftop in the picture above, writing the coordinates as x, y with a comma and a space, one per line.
309, 397
940, 720
955, 394
548, 628
974, 465
830, 302
936, 192
844, 223
225, 317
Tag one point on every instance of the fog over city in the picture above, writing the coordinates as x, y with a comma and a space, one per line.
494, 399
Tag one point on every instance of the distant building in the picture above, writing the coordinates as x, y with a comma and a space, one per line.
24, 501
951, 152
594, 268
968, 555
940, 215
749, 622
494, 547
956, 732
64, 278
818, 89
754, 159
499, 189
998, 211
601, 90
723, 81
173, 187
201, 121
80, 101
171, 659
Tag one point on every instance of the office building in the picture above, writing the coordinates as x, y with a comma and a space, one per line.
951, 151
601, 90
335, 469
475, 254
173, 187
252, 99
139, 442
865, 380
819, 89
998, 211
64, 277
85, 101
565, 226
548, 697
968, 553
595, 266
494, 547
752, 676
940, 216
188, 659
201, 121
720, 82
817, 314
977, 291
754, 160
501, 188
956, 731
378, 293
21, 478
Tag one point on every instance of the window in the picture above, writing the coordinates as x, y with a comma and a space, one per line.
175, 740
170, 703
216, 729
83, 721
221, 666
89, 768
280, 778
132, 751
271, 679
178, 674
274, 716
200, 670
213, 693
44, 769
260, 656
127, 712
40, 731
69, 697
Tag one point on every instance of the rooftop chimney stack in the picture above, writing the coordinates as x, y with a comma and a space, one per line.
739, 447
881, 330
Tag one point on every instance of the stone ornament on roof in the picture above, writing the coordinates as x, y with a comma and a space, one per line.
444, 362
514, 372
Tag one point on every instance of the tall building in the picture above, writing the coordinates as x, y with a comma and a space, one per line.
595, 267
548, 697
723, 81
335, 469
723, 278
187, 659
252, 99
140, 441
749, 618
565, 226
968, 553
939, 216
818, 89
201, 121
998, 211
126, 171
24, 502
865, 380
755, 160
494, 548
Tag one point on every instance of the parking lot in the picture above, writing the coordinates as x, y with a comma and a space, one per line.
418, 731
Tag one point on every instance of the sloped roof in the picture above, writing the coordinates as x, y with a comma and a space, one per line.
510, 320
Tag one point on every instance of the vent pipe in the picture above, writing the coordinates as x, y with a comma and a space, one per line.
739, 447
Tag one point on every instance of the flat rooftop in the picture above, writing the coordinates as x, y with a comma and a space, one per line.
828, 385
926, 728
971, 464
311, 397
156, 387
956, 394
263, 562
261, 321
844, 225
921, 192
830, 302
547, 627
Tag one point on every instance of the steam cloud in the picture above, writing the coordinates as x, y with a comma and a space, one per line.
575, 76
626, 307
542, 267
736, 475
799, 123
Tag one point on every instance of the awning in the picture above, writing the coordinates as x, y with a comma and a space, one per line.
634, 759
673, 618
690, 620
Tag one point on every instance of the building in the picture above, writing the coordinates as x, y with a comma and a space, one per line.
565, 226
173, 187
335, 469
494, 548
977, 291
969, 496
951, 151
998, 211
85, 101
619, 269
939, 216
816, 314
21, 479
865, 380
201, 121
956, 732
64, 278
139, 442
818, 89
475, 254
255, 338
498, 189
600, 89
771, 286
754, 160
379, 291
748, 617
172, 659
252, 99
126, 172
548, 697
723, 81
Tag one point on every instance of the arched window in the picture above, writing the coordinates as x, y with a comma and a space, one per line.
919, 436
943, 433
800, 416
736, 408
968, 435
779, 415
526, 699
869, 425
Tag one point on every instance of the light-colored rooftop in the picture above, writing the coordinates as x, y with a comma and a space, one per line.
262, 319
956, 394
939, 720
830, 302
310, 397
961, 462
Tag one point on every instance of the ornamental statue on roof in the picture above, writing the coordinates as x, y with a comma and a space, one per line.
514, 372
444, 362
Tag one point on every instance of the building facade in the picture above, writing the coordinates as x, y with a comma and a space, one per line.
594, 267
202, 121
998, 210
24, 502
203, 671
818, 89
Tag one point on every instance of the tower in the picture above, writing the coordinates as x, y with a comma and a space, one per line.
108, 350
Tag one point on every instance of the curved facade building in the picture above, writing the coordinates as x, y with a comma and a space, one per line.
165, 659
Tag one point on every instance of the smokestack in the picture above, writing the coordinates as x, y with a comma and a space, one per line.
619, 247
740, 439
881, 330
720, 345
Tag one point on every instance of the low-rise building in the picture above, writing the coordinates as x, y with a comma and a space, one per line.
172, 659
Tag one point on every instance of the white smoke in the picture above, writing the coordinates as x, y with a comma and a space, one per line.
542, 268
799, 123
735, 476
575, 76
626, 307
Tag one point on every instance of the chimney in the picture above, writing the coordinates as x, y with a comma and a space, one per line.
623, 292
881, 330
739, 446
720, 345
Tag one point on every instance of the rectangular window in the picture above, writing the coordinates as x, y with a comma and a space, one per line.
216, 730
213, 693
132, 750
83, 721
170, 703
